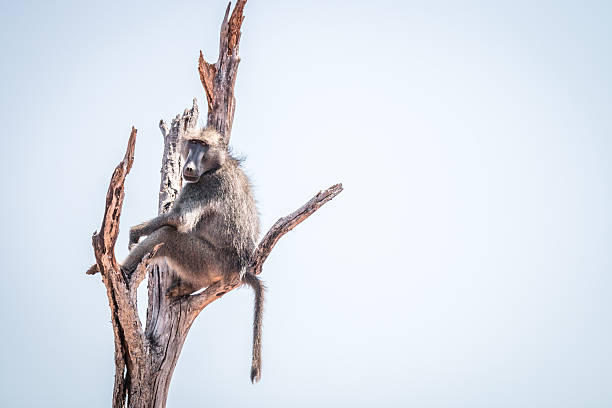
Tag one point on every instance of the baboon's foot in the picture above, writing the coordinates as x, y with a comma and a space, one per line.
180, 289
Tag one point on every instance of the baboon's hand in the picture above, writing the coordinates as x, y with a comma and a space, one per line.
135, 234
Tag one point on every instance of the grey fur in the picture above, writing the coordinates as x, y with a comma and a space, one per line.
212, 229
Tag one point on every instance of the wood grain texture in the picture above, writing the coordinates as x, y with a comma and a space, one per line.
218, 79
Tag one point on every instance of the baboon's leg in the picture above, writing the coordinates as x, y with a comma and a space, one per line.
192, 258
147, 227
135, 256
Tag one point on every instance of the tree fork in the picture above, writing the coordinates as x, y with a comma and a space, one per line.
145, 359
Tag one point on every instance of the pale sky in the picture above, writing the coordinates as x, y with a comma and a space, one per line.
466, 264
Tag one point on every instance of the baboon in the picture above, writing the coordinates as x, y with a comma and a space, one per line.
211, 230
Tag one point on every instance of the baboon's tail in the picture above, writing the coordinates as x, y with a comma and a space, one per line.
254, 282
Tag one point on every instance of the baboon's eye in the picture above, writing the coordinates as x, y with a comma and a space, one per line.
199, 142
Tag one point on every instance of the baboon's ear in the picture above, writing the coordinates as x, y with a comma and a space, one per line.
224, 140
213, 159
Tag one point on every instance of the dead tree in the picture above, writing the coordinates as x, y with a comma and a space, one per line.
145, 359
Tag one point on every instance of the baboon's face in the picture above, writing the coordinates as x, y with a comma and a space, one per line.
200, 158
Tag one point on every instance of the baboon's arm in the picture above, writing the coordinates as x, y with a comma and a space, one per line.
146, 228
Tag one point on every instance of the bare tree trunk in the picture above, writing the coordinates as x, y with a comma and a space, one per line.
145, 359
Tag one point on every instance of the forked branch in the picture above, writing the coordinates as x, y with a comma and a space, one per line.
133, 370
145, 360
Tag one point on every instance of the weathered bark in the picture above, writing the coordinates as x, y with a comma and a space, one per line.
131, 362
167, 325
219, 78
145, 359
